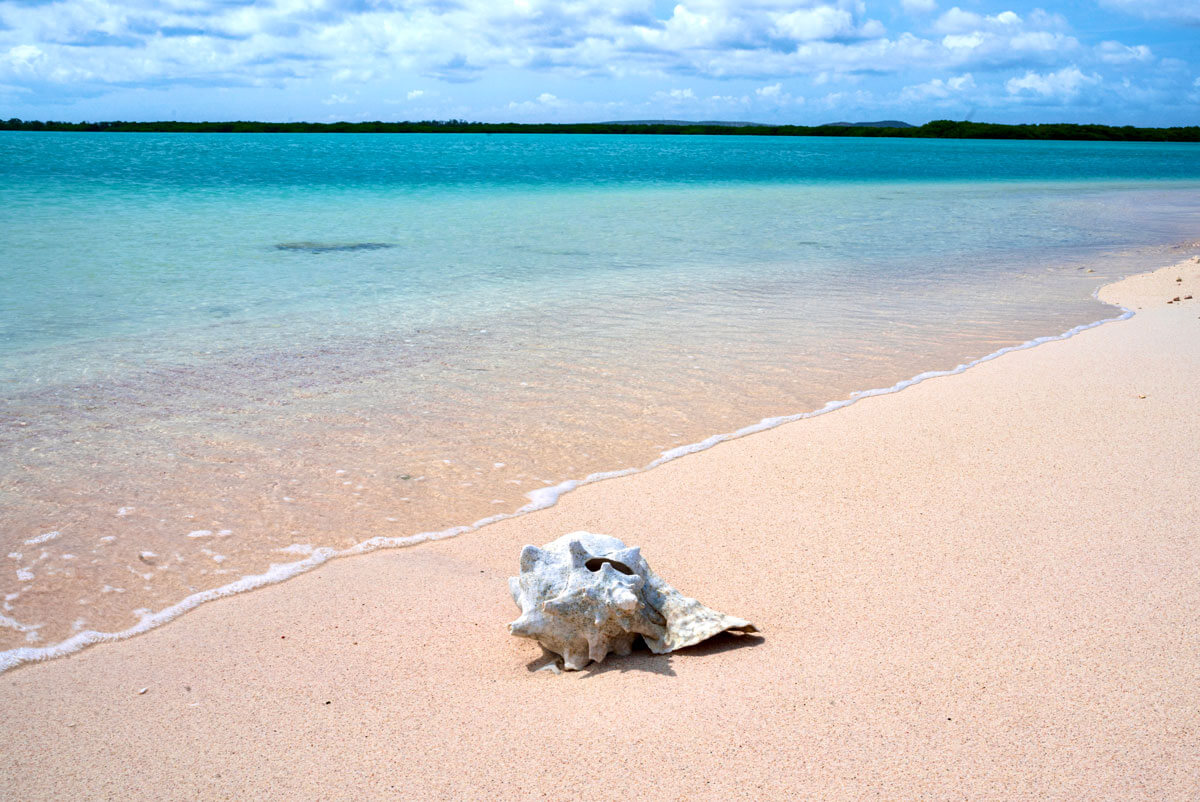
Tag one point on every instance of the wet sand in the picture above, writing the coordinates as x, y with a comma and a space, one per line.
983, 586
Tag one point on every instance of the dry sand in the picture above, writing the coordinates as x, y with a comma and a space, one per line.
985, 586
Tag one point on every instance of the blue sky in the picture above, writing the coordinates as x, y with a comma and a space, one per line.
807, 61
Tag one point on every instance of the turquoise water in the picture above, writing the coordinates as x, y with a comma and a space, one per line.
210, 162
296, 341
113, 234
135, 233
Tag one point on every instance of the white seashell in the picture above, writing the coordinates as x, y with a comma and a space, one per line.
585, 595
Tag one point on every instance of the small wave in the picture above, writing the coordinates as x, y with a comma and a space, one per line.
30, 630
539, 499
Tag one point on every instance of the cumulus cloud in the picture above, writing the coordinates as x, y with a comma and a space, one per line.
1065, 84
124, 42
776, 95
821, 22
71, 48
939, 89
1005, 39
958, 21
695, 26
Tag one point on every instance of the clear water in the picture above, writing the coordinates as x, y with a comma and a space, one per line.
219, 351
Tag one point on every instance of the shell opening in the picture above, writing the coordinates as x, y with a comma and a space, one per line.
596, 563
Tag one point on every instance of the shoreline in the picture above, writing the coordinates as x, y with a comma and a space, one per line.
983, 587
539, 499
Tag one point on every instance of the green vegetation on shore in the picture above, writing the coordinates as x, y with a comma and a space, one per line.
938, 129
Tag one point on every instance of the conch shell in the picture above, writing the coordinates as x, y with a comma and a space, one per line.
585, 595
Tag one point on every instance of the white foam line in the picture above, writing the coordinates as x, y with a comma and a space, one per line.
12, 623
539, 499
33, 541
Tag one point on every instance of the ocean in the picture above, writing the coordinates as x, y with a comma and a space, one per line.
226, 358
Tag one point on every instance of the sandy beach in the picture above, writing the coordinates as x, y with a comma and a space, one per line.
983, 587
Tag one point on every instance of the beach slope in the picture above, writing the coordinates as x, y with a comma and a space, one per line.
984, 586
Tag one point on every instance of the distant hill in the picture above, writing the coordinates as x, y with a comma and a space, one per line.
726, 123
877, 124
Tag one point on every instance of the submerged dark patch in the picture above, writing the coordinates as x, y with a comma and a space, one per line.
328, 247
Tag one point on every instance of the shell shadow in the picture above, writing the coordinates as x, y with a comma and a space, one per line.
723, 642
642, 659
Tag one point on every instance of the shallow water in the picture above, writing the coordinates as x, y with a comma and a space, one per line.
219, 352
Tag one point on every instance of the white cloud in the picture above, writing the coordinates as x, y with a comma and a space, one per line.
1117, 53
774, 95
271, 44
1185, 11
1039, 42
975, 41
24, 55
361, 49
939, 89
919, 6
696, 25
821, 22
542, 102
833, 58
958, 21
847, 101
1040, 18
688, 29
1065, 84
673, 96
957, 41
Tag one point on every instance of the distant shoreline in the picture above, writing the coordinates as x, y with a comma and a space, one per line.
938, 129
